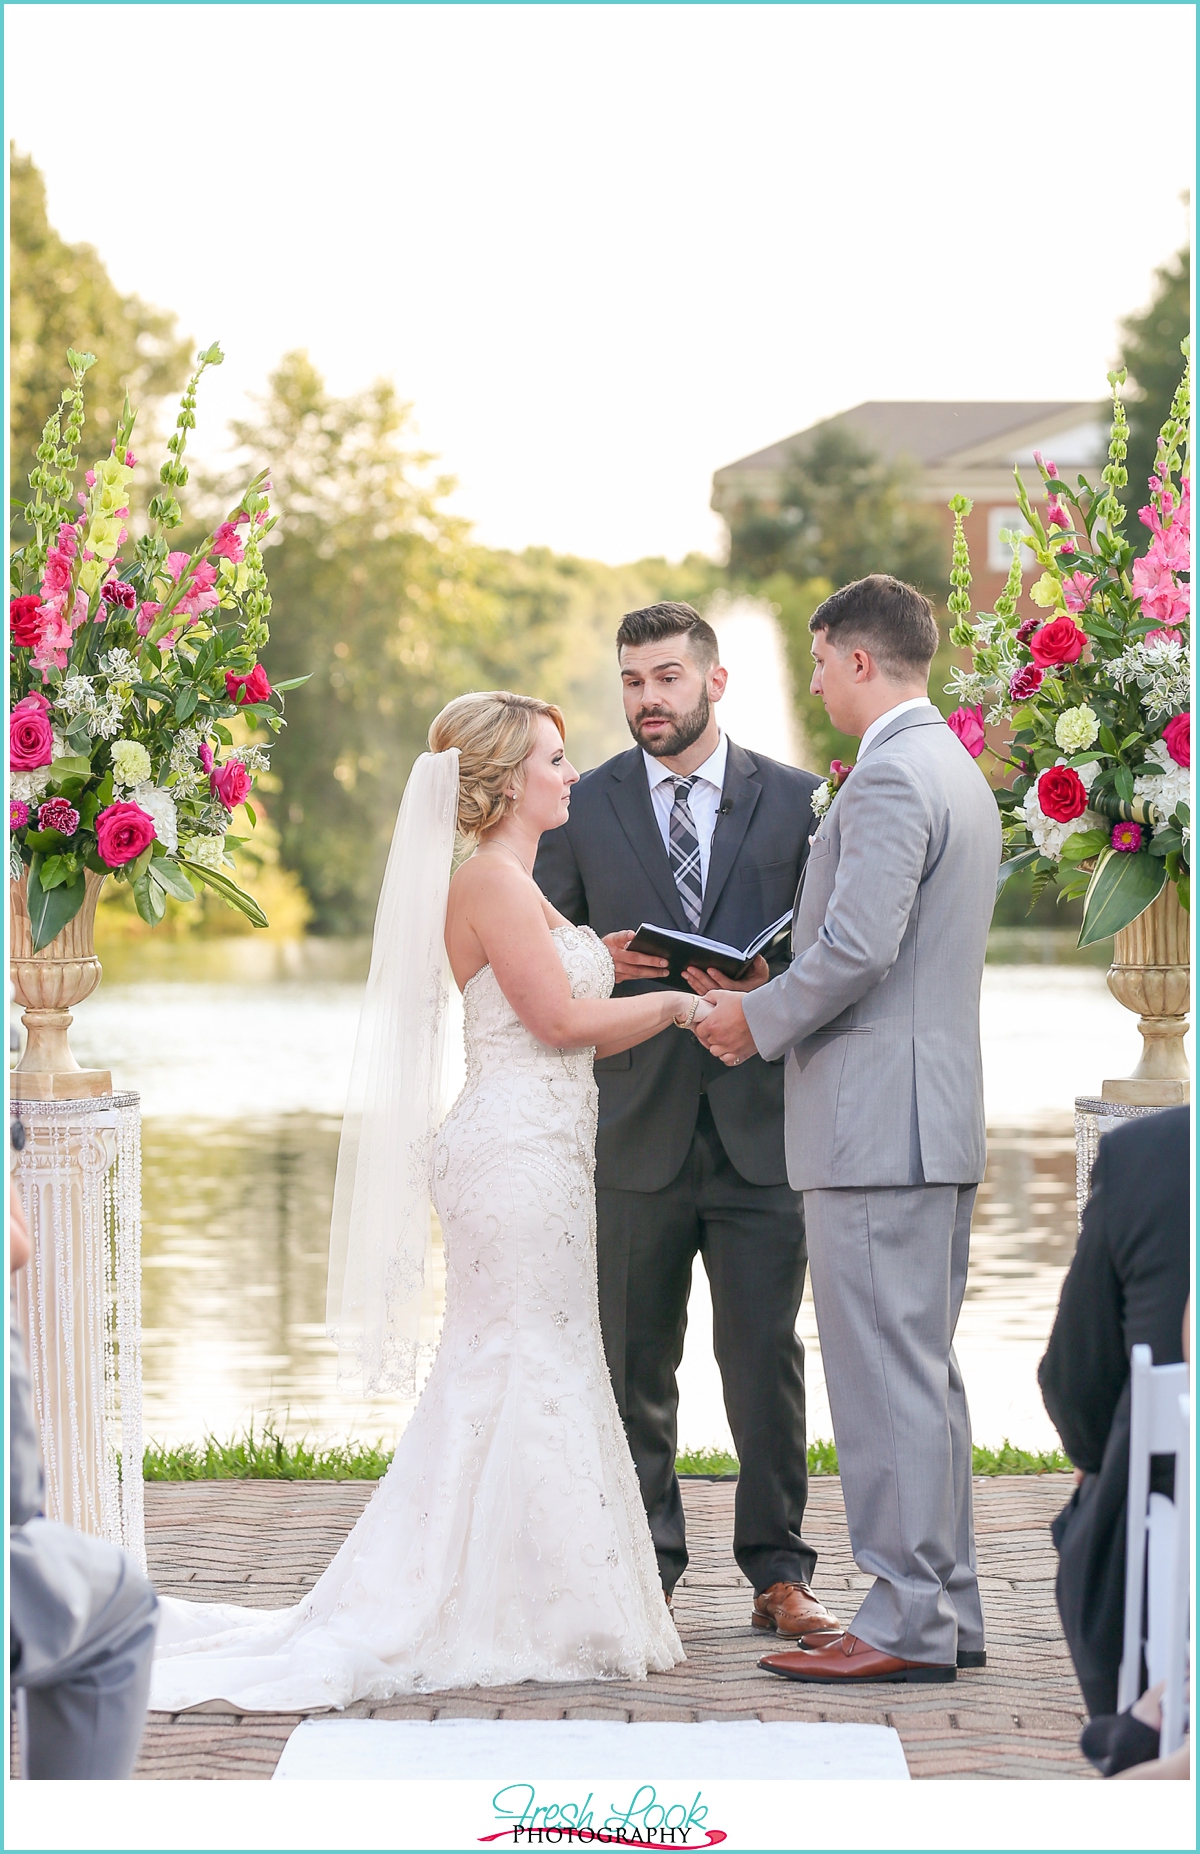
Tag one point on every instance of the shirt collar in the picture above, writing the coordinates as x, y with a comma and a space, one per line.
713, 769
877, 726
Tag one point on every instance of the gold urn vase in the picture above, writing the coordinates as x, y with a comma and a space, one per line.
1151, 974
48, 985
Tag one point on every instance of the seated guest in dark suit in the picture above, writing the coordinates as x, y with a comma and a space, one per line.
1127, 1286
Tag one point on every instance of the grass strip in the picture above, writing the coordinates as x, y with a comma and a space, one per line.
265, 1455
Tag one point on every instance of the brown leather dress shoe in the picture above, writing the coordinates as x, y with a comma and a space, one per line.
850, 1662
793, 1610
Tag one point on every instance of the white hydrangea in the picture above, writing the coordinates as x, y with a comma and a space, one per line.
208, 852
1168, 789
159, 805
29, 786
1047, 833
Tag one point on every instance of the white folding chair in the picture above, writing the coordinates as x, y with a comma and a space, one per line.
1157, 1535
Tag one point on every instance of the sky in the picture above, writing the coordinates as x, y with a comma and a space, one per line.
604, 250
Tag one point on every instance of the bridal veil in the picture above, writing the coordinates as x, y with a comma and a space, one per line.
398, 1095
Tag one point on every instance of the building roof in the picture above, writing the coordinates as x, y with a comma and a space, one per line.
930, 431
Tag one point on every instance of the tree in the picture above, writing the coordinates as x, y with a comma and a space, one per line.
842, 512
61, 296
1151, 353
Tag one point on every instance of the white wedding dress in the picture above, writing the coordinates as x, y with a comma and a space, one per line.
507, 1541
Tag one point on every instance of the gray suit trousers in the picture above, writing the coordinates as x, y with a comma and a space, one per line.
83, 1620
888, 1269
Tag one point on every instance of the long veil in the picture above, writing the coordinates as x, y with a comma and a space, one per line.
399, 1083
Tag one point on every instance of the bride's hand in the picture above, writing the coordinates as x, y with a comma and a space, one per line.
692, 1011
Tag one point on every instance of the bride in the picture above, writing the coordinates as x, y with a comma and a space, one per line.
507, 1541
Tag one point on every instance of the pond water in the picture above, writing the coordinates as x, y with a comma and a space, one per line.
241, 1050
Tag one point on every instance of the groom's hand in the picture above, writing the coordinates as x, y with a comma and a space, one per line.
633, 965
712, 980
725, 1032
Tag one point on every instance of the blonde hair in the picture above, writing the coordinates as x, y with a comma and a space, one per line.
495, 732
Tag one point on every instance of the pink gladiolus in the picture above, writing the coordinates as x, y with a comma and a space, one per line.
177, 564
146, 617
1162, 597
967, 723
1166, 634
130, 460
1077, 590
89, 478
67, 540
226, 544
1056, 514
57, 574
206, 756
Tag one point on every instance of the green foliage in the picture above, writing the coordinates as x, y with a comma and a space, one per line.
1150, 352
842, 512
1008, 1459
1122, 886
706, 1462
61, 296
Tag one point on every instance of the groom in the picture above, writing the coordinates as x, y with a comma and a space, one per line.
878, 1016
689, 831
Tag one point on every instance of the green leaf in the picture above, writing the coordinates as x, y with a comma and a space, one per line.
149, 899
1108, 741
50, 910
1084, 843
70, 763
250, 813
229, 891
293, 682
171, 879
185, 704
1123, 784
1011, 867
140, 865
1122, 887
45, 840
105, 794
222, 734
54, 871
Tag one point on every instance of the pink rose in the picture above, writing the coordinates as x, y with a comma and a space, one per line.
122, 833
1024, 683
251, 688
226, 544
30, 741
1060, 641
230, 783
1177, 739
1077, 590
967, 723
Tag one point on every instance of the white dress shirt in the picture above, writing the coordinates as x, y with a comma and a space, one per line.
877, 726
703, 803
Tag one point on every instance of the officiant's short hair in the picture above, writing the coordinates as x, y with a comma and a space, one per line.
892, 620
654, 624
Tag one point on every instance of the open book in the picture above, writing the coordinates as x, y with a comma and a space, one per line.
692, 949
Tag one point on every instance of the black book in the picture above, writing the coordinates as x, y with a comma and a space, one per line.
692, 949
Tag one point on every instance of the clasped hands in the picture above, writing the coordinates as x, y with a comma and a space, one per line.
722, 1029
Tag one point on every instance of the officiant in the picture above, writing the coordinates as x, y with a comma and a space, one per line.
689, 831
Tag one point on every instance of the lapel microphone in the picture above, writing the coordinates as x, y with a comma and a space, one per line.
725, 809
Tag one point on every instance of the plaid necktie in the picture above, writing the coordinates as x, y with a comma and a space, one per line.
685, 852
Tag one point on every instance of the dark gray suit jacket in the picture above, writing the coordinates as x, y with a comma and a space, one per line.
607, 869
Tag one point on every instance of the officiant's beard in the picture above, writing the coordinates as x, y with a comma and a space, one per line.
673, 740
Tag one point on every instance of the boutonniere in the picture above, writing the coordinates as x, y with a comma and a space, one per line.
828, 790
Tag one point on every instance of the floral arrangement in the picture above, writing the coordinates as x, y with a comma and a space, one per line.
125, 672
829, 788
1094, 690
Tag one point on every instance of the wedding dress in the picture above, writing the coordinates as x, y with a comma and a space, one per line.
507, 1541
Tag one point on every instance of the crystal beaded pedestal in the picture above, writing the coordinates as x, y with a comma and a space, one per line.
79, 1306
1094, 1116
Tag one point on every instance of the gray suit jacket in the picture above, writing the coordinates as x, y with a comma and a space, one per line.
878, 1013
607, 869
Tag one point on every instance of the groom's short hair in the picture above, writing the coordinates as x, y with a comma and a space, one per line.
893, 621
653, 624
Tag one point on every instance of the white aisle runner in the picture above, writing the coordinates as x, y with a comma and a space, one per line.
513, 1750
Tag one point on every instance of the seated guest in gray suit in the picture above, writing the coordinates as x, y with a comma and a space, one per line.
690, 831
82, 1617
878, 1016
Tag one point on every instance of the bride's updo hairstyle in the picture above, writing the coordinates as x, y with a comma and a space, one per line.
495, 733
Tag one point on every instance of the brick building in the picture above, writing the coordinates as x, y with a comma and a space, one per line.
952, 445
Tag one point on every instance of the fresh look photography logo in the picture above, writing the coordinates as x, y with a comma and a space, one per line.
648, 1820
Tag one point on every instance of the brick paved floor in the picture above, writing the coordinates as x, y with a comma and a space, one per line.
264, 1543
